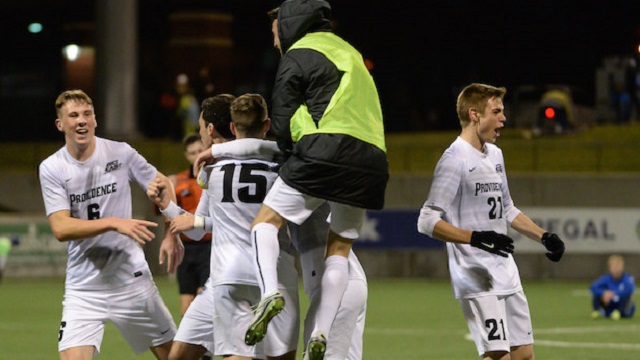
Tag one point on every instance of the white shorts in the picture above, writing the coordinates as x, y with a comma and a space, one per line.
232, 315
291, 204
136, 310
196, 326
345, 337
310, 240
348, 327
498, 322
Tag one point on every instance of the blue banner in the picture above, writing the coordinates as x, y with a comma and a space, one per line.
394, 229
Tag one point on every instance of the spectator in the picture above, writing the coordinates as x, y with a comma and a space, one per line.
613, 292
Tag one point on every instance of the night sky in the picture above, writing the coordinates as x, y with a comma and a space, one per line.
423, 51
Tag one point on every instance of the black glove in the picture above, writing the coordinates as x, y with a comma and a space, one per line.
554, 245
492, 242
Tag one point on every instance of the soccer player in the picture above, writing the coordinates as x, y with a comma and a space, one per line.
469, 207
235, 190
613, 292
328, 121
193, 272
194, 339
310, 240
87, 195
347, 330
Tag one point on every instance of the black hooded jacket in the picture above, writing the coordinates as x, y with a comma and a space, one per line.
335, 167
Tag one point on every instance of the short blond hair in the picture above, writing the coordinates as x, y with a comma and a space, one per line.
615, 258
248, 113
72, 95
476, 96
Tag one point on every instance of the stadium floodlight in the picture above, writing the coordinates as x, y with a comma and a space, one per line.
35, 28
71, 52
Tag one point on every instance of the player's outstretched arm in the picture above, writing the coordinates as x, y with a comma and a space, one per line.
171, 250
162, 192
449, 233
67, 228
180, 223
205, 157
554, 245
245, 149
194, 227
490, 241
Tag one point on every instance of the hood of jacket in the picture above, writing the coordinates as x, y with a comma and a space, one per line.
299, 17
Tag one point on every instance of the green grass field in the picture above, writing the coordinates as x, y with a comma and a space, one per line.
406, 319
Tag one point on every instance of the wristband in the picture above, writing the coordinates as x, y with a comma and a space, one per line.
198, 222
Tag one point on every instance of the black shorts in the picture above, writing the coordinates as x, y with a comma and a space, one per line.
194, 270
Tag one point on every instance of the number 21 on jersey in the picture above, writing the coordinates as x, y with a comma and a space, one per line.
495, 212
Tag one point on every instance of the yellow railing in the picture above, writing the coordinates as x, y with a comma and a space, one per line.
601, 149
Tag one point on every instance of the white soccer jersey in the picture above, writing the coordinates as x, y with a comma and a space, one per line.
92, 189
235, 194
470, 190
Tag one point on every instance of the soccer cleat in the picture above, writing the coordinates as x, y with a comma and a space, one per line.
615, 315
265, 311
316, 348
596, 314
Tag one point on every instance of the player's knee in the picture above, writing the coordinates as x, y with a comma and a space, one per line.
176, 352
496, 355
338, 245
78, 352
270, 216
524, 352
163, 351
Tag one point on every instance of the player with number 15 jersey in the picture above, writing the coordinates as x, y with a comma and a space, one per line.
236, 191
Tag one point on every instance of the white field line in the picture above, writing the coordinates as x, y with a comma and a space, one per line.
591, 345
579, 344
538, 342
590, 329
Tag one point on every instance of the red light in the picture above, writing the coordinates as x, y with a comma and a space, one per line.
369, 64
549, 113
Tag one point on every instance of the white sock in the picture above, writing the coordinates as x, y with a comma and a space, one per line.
334, 283
266, 249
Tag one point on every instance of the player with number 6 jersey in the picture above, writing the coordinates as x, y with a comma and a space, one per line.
100, 261
87, 196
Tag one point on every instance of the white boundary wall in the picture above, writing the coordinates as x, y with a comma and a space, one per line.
586, 230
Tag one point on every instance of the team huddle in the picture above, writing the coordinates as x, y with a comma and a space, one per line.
265, 203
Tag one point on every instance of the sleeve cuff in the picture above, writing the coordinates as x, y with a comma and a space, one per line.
172, 211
